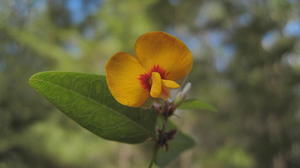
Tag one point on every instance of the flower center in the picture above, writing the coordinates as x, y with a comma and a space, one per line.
155, 81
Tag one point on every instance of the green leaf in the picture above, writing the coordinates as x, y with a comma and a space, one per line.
194, 104
179, 144
86, 99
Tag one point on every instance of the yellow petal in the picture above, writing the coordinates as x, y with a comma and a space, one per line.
170, 84
156, 85
122, 76
165, 50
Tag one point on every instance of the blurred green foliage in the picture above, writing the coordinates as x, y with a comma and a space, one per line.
246, 63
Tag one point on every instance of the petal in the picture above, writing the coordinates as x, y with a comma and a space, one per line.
156, 85
159, 48
170, 84
122, 76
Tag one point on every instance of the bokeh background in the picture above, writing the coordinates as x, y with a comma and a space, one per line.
247, 65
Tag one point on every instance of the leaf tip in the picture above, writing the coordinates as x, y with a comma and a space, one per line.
36, 76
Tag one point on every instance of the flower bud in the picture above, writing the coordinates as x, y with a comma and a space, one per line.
180, 97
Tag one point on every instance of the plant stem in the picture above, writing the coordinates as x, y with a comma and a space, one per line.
164, 124
153, 156
157, 145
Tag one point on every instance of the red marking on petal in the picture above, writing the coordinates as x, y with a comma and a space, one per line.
163, 73
145, 79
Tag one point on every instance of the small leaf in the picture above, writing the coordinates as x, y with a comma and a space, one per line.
179, 144
194, 104
86, 99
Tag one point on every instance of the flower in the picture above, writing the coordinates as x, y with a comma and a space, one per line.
160, 60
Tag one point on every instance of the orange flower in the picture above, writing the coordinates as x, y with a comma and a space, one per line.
160, 60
